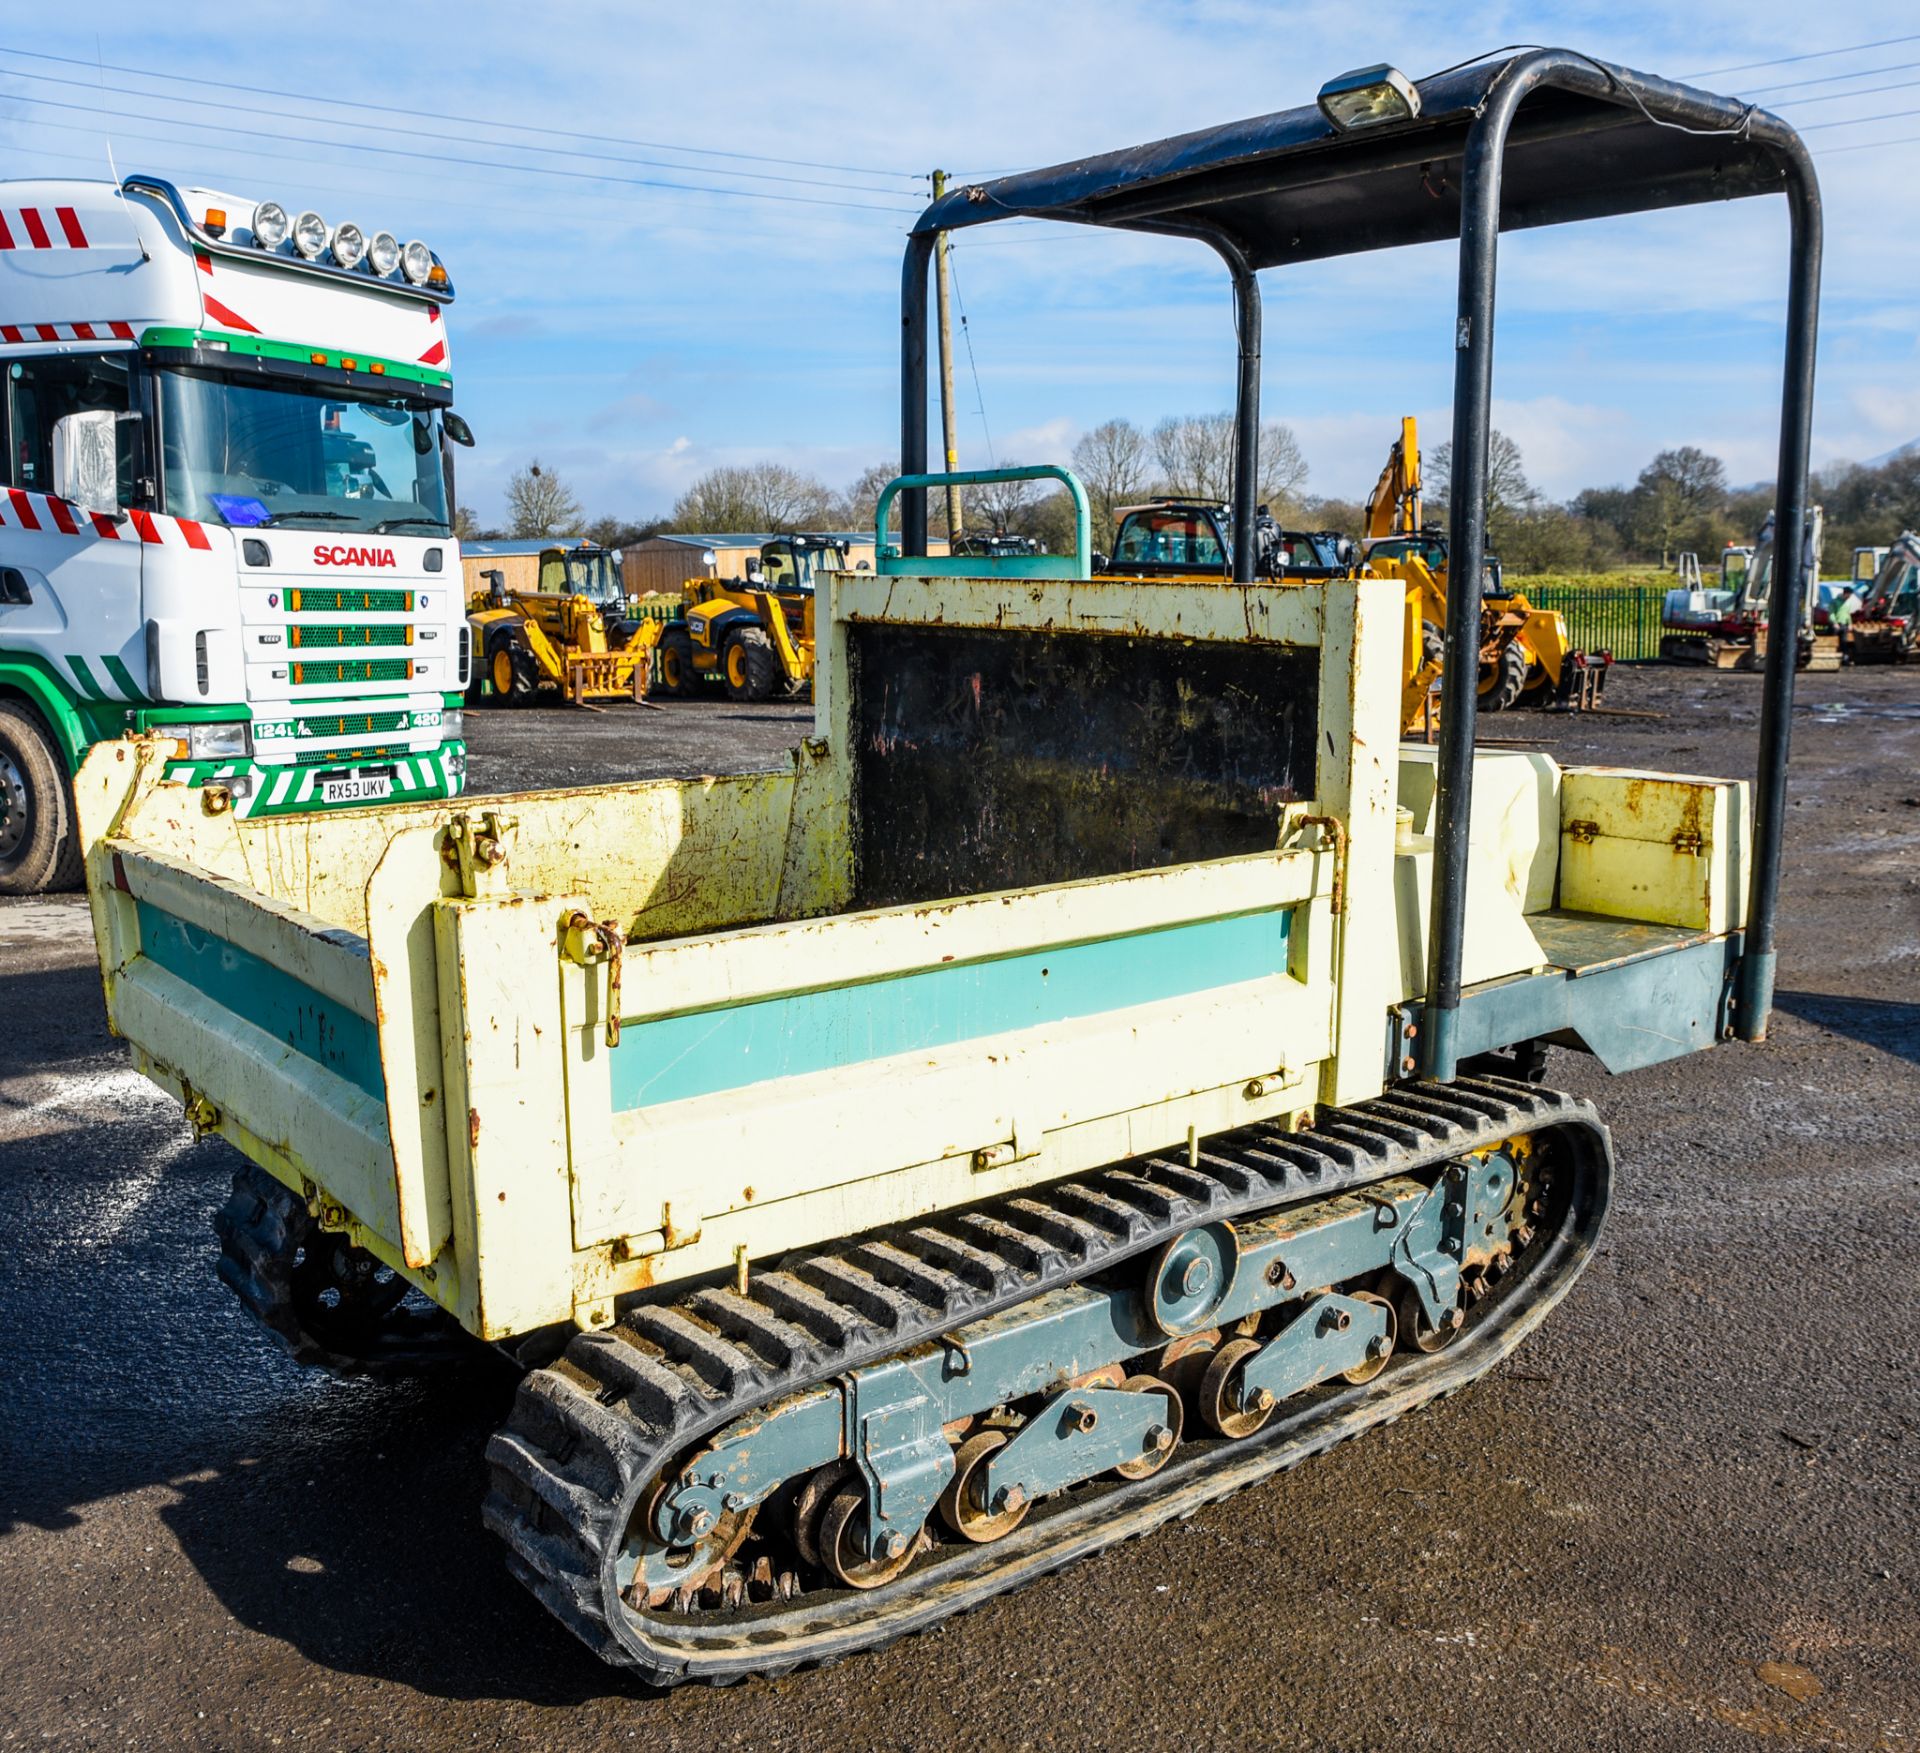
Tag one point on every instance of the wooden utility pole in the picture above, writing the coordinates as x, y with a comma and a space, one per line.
946, 363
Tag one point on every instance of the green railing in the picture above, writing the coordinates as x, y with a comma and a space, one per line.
1622, 619
1078, 564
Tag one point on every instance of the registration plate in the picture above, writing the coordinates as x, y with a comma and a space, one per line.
356, 789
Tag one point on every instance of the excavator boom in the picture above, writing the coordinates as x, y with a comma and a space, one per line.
1393, 507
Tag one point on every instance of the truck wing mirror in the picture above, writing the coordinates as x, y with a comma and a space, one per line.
86, 462
456, 428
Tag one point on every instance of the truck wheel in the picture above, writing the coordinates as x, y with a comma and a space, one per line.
750, 667
677, 678
39, 847
511, 672
1509, 677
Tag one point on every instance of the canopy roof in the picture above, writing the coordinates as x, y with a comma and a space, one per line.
1590, 141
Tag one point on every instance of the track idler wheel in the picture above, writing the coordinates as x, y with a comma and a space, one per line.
1165, 1438
840, 1537
670, 1576
1415, 1326
962, 1505
1221, 1407
1365, 1372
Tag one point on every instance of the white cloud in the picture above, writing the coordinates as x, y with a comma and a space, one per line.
634, 333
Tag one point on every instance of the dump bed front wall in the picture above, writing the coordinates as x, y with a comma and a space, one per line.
995, 759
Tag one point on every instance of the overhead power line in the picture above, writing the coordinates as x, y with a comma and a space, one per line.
979, 395
440, 116
110, 127
1859, 121
1843, 96
1814, 55
1833, 78
90, 85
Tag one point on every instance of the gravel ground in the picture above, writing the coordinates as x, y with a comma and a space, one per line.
1705, 1463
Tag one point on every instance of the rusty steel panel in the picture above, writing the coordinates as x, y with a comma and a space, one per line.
989, 760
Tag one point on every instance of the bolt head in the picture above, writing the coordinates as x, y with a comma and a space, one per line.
894, 1545
738, 1500
1259, 1400
1377, 1346
1159, 1437
1012, 1497
700, 1522
1194, 1280
1454, 1319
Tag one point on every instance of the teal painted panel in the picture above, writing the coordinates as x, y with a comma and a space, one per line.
702, 1052
313, 1025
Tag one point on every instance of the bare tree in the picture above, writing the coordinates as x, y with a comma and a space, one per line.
1115, 461
466, 527
856, 506
1195, 454
1004, 505
1510, 495
1196, 457
540, 504
753, 497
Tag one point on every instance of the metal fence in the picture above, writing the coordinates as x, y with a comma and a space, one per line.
1622, 619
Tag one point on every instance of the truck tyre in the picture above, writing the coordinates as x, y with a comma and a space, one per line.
677, 678
510, 670
1509, 677
39, 844
751, 669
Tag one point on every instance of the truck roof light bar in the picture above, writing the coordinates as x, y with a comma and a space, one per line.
271, 232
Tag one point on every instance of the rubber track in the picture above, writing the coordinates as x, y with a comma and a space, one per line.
261, 1227
588, 1433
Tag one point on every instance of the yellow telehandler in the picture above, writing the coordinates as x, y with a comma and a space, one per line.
753, 634
571, 634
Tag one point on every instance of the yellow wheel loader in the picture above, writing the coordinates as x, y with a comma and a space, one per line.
1101, 1069
754, 636
572, 635
1525, 656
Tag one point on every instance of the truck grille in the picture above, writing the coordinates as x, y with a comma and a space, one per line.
340, 757
333, 600
375, 669
353, 724
305, 636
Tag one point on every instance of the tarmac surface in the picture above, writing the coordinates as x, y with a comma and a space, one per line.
1684, 1516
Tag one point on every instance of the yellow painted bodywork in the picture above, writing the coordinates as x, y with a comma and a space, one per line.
787, 622
1394, 510
498, 952
568, 640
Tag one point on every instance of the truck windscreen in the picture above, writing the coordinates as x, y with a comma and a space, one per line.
250, 453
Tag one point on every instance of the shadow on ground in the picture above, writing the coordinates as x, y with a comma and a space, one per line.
1891, 1025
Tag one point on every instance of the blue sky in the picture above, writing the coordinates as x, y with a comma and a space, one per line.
633, 335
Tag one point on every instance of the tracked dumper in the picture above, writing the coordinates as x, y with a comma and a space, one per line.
1099, 1070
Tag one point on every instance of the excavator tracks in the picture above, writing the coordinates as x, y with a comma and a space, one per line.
668, 1414
330, 1304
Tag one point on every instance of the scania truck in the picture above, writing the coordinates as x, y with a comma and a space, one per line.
225, 507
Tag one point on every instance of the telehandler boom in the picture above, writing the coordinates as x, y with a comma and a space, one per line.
1098, 1071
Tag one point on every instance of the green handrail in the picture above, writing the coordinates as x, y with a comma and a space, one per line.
1077, 565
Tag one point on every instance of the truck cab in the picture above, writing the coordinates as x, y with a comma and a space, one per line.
226, 512
1184, 538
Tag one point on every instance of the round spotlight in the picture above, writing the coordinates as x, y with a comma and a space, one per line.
416, 262
349, 244
383, 253
269, 225
310, 235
